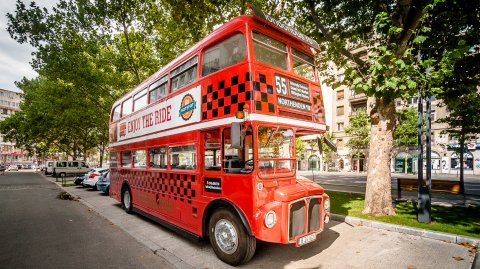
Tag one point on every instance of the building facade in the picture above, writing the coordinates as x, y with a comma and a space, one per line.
9, 104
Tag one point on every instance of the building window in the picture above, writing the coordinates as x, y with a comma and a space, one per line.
339, 126
340, 94
340, 110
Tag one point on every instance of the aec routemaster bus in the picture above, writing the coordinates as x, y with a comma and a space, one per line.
206, 145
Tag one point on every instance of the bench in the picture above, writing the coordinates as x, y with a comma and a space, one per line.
438, 185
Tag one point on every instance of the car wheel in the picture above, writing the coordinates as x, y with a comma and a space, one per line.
107, 191
127, 200
229, 239
63, 175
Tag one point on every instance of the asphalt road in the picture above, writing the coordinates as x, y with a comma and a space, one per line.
37, 230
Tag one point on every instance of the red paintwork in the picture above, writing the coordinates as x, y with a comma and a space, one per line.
239, 189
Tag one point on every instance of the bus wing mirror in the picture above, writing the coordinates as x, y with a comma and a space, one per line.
236, 135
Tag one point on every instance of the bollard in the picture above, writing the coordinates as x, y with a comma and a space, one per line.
64, 181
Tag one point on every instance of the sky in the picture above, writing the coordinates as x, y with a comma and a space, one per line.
15, 58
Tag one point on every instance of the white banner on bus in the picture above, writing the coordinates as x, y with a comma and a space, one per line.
179, 110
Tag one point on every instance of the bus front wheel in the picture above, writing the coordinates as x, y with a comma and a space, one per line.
127, 200
231, 243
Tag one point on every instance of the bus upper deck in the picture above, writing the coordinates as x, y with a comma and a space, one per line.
244, 65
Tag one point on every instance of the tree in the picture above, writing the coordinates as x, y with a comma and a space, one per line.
406, 133
299, 148
393, 33
88, 54
358, 130
462, 97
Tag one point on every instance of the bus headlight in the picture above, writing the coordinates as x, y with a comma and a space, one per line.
326, 204
270, 219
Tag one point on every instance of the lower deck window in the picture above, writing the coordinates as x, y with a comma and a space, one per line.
140, 159
158, 158
126, 159
183, 157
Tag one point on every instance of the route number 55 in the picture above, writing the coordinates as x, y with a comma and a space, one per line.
281, 84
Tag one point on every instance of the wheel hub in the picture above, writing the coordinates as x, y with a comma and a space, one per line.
226, 236
126, 199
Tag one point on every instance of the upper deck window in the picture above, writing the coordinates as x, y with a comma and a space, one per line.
127, 107
116, 113
158, 89
226, 53
140, 100
184, 74
270, 51
303, 65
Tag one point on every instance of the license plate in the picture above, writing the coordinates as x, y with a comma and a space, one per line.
306, 239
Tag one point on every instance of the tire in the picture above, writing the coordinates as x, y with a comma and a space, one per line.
107, 191
63, 175
224, 222
127, 200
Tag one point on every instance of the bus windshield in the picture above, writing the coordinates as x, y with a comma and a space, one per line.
275, 151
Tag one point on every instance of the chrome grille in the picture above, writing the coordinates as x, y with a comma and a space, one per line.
307, 209
297, 219
314, 216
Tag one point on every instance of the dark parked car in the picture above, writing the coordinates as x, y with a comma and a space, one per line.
79, 179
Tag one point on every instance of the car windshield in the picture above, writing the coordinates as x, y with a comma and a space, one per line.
275, 151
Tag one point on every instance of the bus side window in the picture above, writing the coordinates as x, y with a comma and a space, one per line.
183, 157
113, 159
158, 89
238, 161
116, 113
126, 159
224, 54
212, 160
139, 159
184, 74
158, 158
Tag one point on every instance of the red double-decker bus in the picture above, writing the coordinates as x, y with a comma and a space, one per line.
207, 144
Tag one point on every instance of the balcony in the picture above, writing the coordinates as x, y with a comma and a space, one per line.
357, 97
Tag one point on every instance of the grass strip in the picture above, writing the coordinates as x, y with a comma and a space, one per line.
454, 220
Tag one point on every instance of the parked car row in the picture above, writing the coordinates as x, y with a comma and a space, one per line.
96, 178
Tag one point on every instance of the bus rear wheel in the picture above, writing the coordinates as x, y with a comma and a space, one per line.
127, 200
229, 239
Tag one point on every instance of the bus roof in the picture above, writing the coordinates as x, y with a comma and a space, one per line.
239, 20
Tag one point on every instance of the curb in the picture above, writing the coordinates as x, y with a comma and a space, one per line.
169, 257
452, 238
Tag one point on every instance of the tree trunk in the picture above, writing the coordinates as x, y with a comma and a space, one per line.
378, 197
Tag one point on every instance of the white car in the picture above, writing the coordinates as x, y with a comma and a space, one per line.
91, 177
13, 167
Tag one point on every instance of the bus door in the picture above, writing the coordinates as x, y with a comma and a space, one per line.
228, 168
212, 163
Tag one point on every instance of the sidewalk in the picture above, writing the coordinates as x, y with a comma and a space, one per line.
341, 245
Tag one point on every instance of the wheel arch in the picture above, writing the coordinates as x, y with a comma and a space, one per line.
223, 203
